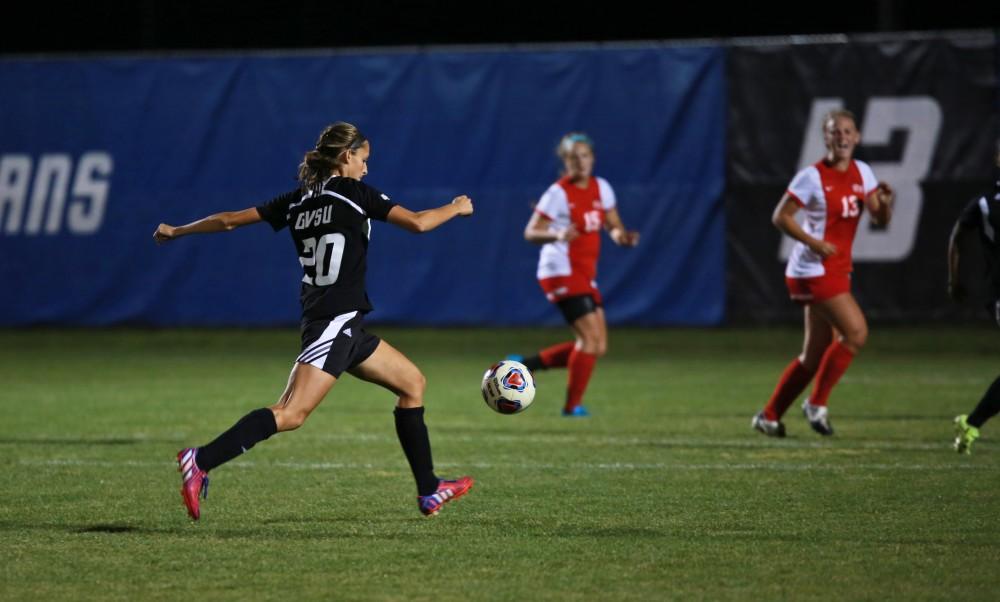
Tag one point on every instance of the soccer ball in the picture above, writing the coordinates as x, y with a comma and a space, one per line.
508, 387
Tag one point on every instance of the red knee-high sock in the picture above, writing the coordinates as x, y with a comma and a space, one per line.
557, 356
835, 362
581, 365
793, 381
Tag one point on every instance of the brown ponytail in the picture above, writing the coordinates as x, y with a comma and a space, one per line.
318, 164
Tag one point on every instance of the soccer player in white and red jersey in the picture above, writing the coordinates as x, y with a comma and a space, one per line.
567, 222
832, 192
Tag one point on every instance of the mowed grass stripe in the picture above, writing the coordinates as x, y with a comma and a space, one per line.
528, 466
756, 442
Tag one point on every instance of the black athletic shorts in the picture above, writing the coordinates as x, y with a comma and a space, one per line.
574, 308
336, 345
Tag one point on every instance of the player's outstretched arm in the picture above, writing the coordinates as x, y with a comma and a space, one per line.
784, 220
218, 222
425, 221
617, 231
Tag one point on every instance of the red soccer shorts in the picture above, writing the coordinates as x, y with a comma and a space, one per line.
558, 288
817, 289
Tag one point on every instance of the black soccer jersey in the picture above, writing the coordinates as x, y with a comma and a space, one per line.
983, 215
331, 231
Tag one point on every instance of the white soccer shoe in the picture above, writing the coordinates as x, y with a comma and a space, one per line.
771, 428
818, 417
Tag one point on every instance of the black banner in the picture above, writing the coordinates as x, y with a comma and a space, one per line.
926, 108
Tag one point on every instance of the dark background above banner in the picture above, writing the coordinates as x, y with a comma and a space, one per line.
111, 25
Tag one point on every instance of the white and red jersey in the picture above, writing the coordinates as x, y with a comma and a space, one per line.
832, 201
565, 203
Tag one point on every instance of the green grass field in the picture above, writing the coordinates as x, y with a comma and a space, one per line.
665, 493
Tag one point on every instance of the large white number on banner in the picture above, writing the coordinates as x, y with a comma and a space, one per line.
325, 255
920, 117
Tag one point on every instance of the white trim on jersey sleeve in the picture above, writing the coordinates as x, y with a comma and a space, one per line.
307, 195
553, 259
553, 203
807, 189
608, 199
806, 185
345, 199
310, 194
984, 209
868, 179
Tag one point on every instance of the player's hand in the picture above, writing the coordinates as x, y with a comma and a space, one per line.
463, 204
881, 210
567, 234
886, 195
164, 233
956, 291
625, 238
823, 248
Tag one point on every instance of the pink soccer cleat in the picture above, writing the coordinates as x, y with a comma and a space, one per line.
446, 492
195, 481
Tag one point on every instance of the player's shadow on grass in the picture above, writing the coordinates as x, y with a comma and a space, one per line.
286, 529
107, 529
77, 528
81, 441
185, 530
192, 530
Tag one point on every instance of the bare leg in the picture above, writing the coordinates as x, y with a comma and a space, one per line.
818, 336
843, 313
307, 386
389, 368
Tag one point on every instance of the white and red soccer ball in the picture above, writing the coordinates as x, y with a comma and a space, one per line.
508, 387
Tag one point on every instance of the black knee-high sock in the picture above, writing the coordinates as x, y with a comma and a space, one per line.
534, 363
251, 429
988, 407
412, 433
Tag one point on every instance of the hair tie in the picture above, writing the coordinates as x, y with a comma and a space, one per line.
567, 142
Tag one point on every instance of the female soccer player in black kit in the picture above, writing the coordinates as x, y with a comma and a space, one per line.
329, 217
980, 217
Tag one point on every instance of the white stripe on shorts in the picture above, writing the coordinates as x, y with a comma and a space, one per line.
330, 333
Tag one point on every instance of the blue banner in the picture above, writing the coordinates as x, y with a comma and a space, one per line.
95, 153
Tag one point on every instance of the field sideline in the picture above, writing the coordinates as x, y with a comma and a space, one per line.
665, 493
